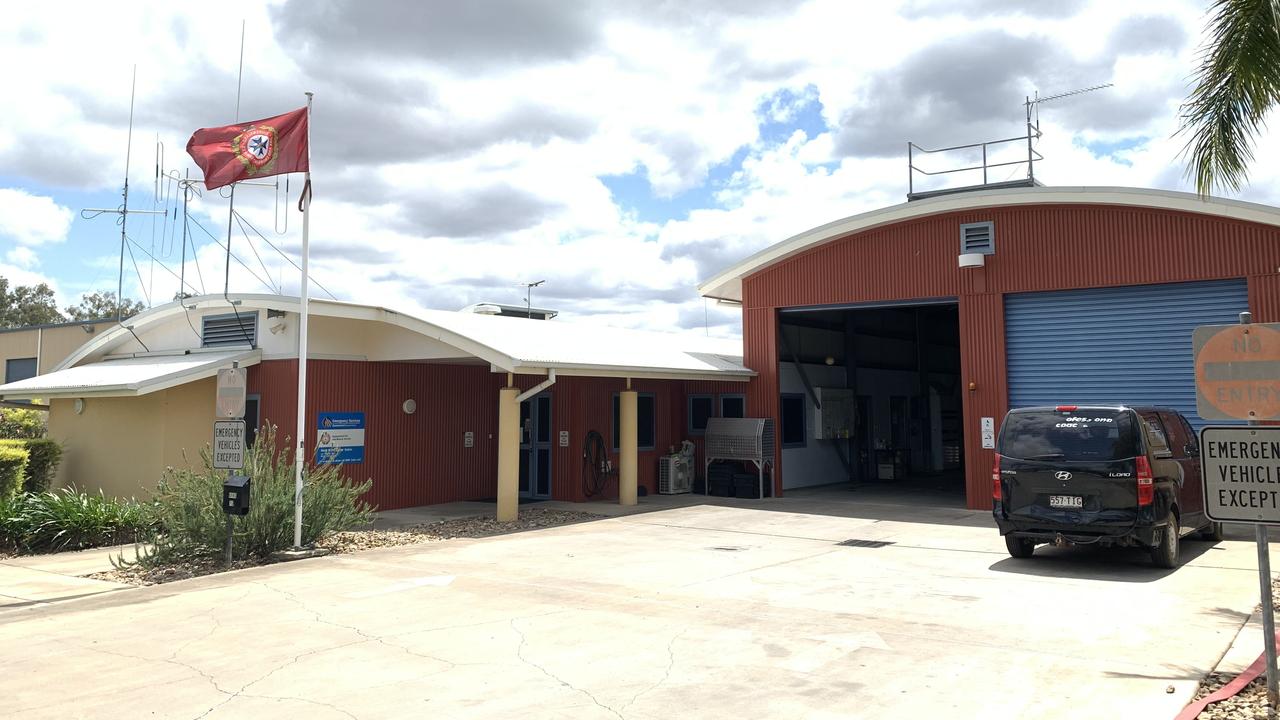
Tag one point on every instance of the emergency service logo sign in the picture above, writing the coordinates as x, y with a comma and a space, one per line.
255, 148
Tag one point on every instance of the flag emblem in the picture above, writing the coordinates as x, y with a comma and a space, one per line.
256, 148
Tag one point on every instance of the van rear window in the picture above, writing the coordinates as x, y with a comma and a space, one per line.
1076, 435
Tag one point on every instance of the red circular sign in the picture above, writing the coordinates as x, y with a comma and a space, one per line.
1238, 372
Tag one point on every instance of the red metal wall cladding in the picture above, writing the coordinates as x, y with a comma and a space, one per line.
421, 459
1040, 247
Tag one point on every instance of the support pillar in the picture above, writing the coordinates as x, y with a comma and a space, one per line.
508, 454
628, 441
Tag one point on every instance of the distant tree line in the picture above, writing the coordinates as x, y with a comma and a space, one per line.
22, 305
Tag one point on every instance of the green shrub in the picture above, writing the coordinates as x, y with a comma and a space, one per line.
68, 520
13, 463
22, 423
188, 517
43, 457
73, 520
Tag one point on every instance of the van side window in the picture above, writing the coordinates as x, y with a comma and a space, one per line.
1155, 431
1193, 442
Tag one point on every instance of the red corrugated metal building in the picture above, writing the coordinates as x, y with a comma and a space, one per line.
937, 314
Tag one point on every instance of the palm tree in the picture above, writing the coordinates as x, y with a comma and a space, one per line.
1237, 83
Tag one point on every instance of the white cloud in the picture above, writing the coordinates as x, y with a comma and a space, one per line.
444, 179
23, 257
32, 219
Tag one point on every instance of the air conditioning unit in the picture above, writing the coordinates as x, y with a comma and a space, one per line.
675, 474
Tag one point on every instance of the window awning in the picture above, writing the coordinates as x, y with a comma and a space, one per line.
127, 377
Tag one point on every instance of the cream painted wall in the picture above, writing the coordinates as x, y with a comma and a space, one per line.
55, 343
122, 445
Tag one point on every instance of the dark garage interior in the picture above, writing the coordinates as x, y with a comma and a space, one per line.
871, 397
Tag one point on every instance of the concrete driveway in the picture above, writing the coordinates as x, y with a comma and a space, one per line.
701, 611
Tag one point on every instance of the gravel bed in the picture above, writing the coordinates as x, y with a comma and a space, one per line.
1251, 702
357, 540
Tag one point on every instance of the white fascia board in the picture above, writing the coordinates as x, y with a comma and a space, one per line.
610, 371
727, 285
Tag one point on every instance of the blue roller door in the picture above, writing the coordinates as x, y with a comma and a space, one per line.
1113, 345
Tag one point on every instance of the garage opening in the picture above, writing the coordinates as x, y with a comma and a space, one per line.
870, 397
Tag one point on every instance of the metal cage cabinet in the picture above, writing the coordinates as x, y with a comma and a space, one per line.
744, 439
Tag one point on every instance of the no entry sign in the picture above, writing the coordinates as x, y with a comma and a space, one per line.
1237, 371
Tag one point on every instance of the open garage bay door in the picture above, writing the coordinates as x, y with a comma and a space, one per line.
1112, 345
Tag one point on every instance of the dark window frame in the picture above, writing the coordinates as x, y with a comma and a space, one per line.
617, 424
784, 425
731, 396
688, 406
8, 363
251, 426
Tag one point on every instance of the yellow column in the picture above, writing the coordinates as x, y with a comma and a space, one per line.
508, 454
627, 452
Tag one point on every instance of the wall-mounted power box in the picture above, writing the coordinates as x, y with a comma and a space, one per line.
834, 419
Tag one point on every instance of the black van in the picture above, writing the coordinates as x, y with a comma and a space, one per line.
1105, 475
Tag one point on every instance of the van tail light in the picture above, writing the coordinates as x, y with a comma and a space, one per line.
1066, 408
1146, 483
995, 478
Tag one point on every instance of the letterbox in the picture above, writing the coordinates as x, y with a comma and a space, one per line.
235, 495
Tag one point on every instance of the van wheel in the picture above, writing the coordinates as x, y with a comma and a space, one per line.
1212, 532
1019, 547
1165, 554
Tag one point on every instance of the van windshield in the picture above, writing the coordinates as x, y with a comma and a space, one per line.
1084, 434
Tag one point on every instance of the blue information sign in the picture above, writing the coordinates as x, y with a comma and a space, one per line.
340, 437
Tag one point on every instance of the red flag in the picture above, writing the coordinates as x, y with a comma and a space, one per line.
259, 148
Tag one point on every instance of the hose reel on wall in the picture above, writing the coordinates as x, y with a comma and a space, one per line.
597, 468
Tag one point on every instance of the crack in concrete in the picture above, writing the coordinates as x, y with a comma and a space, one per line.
671, 663
553, 676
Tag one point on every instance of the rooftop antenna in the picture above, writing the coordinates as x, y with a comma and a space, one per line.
1033, 134
528, 297
1033, 119
123, 211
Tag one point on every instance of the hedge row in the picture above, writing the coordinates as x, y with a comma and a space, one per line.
42, 459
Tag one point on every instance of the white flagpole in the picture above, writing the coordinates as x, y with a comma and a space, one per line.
301, 455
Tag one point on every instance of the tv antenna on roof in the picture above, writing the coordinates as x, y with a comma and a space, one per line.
528, 295
1033, 119
1033, 133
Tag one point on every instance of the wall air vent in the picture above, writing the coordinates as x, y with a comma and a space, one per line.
978, 238
230, 330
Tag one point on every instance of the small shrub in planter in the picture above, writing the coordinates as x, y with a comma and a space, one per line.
189, 522
43, 457
13, 463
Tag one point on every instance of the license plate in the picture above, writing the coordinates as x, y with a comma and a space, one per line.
1066, 501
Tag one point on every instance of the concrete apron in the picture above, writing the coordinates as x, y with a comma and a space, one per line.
34, 579
700, 611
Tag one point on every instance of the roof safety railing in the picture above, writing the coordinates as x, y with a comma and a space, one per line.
985, 167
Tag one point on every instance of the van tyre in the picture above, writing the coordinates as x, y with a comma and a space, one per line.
1165, 554
1019, 547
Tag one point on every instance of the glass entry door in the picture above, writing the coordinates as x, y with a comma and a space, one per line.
535, 447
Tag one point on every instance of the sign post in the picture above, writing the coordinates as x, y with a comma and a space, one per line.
1238, 378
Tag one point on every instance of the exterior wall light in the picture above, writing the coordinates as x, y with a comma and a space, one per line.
78, 405
409, 406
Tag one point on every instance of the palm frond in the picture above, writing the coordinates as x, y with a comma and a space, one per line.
1236, 84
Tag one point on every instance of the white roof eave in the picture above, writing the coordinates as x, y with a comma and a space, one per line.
149, 385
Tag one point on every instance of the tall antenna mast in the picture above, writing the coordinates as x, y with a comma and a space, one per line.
231, 206
123, 211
